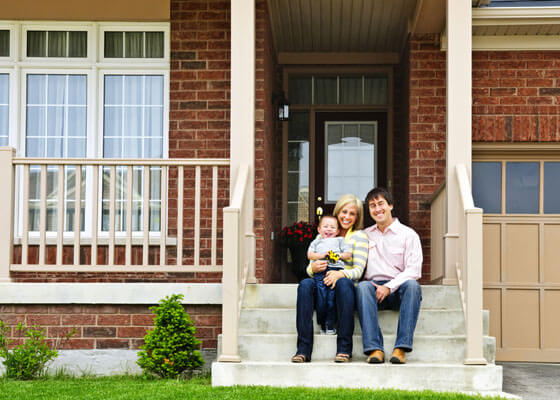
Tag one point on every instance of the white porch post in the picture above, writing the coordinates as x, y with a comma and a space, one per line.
6, 212
242, 125
459, 121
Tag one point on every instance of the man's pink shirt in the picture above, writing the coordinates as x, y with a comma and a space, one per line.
394, 255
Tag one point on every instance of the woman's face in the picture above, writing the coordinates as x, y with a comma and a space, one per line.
347, 216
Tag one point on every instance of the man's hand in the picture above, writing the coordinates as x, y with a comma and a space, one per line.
381, 292
331, 277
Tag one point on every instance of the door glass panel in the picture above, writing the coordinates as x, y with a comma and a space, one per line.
487, 183
325, 90
298, 167
350, 159
552, 187
522, 187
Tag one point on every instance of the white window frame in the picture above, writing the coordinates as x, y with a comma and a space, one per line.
95, 66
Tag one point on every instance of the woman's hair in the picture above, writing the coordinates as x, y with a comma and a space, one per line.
352, 200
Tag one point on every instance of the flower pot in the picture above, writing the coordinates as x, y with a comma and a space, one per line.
299, 261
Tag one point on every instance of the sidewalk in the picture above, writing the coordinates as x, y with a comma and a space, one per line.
532, 381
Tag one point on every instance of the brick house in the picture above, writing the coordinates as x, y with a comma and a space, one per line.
170, 109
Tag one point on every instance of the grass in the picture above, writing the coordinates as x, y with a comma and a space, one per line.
131, 387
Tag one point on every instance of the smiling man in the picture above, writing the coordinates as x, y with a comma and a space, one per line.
390, 280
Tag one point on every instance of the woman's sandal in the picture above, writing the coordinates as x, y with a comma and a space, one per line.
342, 358
299, 358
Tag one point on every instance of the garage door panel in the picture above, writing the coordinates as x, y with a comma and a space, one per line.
551, 322
521, 319
551, 257
491, 252
492, 302
522, 253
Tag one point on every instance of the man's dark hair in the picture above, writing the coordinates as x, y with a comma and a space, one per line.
379, 192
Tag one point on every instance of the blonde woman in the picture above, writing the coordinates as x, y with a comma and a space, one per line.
349, 213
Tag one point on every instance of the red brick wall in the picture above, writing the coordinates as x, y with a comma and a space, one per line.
426, 131
516, 96
105, 326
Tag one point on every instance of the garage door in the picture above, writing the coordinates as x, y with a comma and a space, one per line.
521, 201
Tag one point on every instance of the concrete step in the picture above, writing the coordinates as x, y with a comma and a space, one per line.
427, 348
430, 321
284, 296
410, 376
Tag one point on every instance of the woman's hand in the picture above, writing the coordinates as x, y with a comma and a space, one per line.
319, 266
331, 277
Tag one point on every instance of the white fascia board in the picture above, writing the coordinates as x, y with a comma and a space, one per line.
108, 293
511, 43
516, 16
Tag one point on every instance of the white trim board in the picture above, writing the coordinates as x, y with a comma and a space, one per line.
108, 293
511, 43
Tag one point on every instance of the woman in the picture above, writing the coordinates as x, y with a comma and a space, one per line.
349, 212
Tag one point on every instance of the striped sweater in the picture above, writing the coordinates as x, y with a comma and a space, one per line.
353, 268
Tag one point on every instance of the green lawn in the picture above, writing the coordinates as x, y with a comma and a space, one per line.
199, 388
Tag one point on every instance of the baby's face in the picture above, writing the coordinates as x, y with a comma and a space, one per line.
328, 228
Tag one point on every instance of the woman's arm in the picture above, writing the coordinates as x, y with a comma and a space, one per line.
359, 241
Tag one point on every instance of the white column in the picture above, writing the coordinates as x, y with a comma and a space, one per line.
459, 119
242, 132
6, 211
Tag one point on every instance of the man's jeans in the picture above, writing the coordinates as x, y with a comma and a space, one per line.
345, 302
406, 299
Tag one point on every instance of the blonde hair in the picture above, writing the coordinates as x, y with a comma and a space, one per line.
354, 201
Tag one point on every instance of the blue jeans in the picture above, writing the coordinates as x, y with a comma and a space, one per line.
306, 300
325, 304
406, 299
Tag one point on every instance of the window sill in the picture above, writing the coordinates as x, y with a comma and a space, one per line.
102, 240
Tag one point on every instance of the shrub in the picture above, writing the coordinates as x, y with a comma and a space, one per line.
170, 349
29, 359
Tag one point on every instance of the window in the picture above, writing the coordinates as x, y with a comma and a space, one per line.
57, 44
510, 186
339, 89
87, 90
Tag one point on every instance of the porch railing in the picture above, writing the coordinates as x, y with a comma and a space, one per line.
239, 250
181, 185
469, 269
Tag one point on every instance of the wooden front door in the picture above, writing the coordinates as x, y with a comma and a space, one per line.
350, 156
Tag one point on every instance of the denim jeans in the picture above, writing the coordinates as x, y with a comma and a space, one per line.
306, 300
406, 299
325, 306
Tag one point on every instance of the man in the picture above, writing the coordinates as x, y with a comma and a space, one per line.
390, 280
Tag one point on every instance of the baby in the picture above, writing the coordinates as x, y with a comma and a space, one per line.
328, 246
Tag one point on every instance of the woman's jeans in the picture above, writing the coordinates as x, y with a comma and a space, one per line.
406, 299
345, 302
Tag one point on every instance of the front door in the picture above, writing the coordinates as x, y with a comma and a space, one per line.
350, 156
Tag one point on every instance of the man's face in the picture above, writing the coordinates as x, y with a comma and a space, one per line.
380, 210
328, 227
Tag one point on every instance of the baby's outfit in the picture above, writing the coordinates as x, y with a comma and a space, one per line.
326, 305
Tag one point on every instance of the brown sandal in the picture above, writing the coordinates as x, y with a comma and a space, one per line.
342, 358
299, 359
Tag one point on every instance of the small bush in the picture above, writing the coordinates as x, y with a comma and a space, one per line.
29, 359
170, 349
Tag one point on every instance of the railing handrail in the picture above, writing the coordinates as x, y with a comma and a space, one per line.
234, 277
465, 188
469, 269
122, 161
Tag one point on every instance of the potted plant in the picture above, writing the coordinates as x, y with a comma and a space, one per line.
296, 238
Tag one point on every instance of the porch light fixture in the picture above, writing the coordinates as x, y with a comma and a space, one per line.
283, 106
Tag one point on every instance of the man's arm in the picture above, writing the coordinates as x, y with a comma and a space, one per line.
412, 262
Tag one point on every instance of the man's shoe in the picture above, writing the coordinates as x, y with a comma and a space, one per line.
398, 356
376, 357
